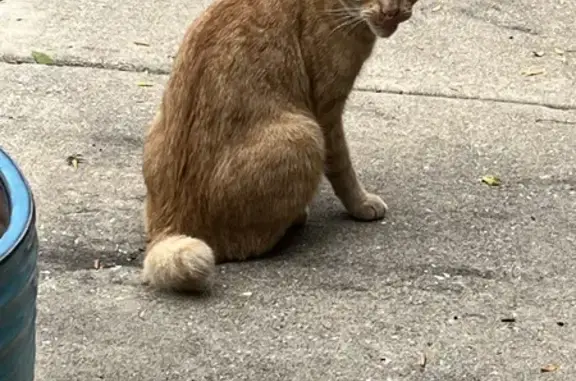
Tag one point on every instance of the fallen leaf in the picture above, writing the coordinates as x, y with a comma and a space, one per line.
538, 54
74, 160
144, 84
140, 43
437, 8
558, 51
247, 293
491, 180
42, 58
549, 368
532, 72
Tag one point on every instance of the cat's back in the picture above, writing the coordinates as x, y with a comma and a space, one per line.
238, 67
237, 59
235, 36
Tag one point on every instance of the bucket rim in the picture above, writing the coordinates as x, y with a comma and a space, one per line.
20, 202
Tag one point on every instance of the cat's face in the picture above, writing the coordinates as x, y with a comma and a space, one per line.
384, 16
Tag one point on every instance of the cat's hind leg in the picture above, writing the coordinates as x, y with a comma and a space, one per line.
255, 191
264, 187
302, 218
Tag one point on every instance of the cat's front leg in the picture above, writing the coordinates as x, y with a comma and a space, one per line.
342, 176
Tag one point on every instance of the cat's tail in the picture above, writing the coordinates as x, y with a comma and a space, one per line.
179, 263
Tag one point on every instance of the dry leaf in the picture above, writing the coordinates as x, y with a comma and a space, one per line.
74, 160
538, 54
42, 58
144, 84
437, 8
532, 72
247, 293
549, 368
493, 181
560, 52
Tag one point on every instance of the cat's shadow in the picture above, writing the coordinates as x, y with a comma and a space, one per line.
294, 237
318, 232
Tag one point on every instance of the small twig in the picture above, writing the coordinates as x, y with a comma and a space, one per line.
423, 361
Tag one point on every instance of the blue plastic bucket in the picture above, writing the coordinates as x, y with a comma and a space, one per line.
18, 274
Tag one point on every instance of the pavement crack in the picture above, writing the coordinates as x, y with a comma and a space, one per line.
467, 98
127, 67
555, 121
120, 66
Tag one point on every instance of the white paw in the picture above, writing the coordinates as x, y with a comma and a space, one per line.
370, 208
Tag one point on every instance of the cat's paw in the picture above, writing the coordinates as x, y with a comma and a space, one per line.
370, 208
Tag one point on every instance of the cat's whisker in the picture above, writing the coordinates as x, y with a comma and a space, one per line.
344, 15
338, 19
348, 22
354, 25
350, 11
345, 9
343, 18
353, 10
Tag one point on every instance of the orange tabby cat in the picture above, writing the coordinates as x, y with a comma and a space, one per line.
250, 120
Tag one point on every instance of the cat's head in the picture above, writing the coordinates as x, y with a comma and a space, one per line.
383, 16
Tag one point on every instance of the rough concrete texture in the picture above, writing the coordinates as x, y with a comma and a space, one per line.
479, 281
476, 48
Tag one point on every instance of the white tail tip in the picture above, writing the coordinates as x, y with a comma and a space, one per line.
179, 263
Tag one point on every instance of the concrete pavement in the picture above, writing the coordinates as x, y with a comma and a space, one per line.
479, 281
476, 49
